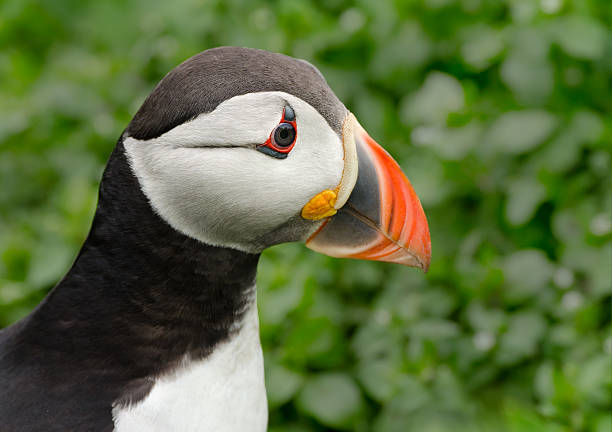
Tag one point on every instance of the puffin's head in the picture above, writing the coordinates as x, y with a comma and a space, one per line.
246, 149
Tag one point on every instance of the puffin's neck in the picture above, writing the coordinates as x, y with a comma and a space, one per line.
142, 296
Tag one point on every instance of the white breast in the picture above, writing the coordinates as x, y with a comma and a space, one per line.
223, 392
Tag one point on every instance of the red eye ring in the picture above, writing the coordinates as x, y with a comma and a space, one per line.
270, 147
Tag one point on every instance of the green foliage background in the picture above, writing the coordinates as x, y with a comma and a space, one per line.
499, 113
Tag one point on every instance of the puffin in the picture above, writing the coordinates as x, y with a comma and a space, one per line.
155, 326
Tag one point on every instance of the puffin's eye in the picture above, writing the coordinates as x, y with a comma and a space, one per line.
283, 136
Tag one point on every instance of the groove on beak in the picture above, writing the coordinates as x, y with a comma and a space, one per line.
382, 219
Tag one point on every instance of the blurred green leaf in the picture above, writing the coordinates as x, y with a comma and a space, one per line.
524, 196
582, 37
521, 340
333, 399
440, 95
520, 131
527, 271
521, 419
281, 383
379, 378
316, 341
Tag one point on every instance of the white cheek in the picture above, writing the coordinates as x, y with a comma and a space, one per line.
232, 195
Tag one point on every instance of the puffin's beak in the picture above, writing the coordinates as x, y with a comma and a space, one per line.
382, 219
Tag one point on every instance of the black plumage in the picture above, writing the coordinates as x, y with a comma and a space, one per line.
139, 297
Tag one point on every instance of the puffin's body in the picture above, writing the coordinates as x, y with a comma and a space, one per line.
155, 328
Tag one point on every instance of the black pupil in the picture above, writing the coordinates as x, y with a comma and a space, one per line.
284, 135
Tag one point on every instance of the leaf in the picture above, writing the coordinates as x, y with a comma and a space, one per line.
281, 383
485, 318
434, 329
332, 398
525, 331
375, 342
448, 143
524, 196
530, 79
594, 380
407, 48
581, 37
516, 132
481, 46
544, 384
50, 260
521, 418
316, 341
527, 272
440, 95
399, 413
379, 378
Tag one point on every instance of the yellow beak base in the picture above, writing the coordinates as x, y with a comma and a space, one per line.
320, 206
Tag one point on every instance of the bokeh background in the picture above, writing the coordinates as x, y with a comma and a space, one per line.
498, 111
